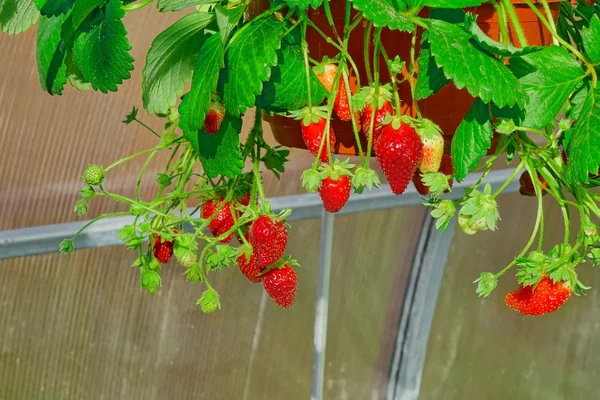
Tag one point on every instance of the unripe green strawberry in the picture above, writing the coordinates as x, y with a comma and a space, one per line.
470, 226
93, 174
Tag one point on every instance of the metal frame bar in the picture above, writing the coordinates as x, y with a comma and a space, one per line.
45, 239
421, 294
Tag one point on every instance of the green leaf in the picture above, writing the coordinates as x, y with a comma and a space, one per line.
286, 90
304, 4
469, 67
75, 76
249, 60
383, 13
549, 77
451, 3
101, 49
494, 47
17, 15
50, 55
53, 8
227, 20
219, 153
431, 78
591, 39
584, 146
176, 5
83, 8
170, 61
204, 82
472, 139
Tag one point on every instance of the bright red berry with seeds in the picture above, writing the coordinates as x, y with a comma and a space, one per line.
249, 268
335, 193
163, 250
281, 284
547, 296
399, 153
312, 134
223, 221
214, 118
268, 239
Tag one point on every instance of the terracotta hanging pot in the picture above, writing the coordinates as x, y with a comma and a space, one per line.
446, 108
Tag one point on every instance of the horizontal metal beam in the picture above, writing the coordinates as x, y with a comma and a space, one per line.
46, 239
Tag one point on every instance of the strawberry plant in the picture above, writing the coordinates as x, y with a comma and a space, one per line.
534, 101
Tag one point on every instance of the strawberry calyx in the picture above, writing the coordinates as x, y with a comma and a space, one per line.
310, 115
479, 211
287, 261
336, 169
365, 177
379, 98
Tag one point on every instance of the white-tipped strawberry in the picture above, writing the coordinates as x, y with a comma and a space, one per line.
214, 117
433, 145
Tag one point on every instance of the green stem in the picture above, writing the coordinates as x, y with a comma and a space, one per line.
510, 179
550, 19
413, 45
330, 20
367, 41
343, 50
515, 22
147, 127
306, 64
116, 214
141, 174
122, 160
502, 21
136, 6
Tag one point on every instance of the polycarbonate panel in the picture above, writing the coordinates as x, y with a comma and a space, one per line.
78, 327
482, 349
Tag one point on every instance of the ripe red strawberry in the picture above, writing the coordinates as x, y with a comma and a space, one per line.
250, 269
313, 134
433, 149
527, 187
335, 193
547, 297
445, 168
281, 284
214, 117
163, 250
380, 115
245, 200
268, 240
342, 103
399, 153
222, 222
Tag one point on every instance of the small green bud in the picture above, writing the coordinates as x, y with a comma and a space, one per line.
150, 280
81, 207
486, 283
87, 192
66, 246
93, 174
209, 301
311, 180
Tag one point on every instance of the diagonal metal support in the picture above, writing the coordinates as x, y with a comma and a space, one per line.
418, 310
